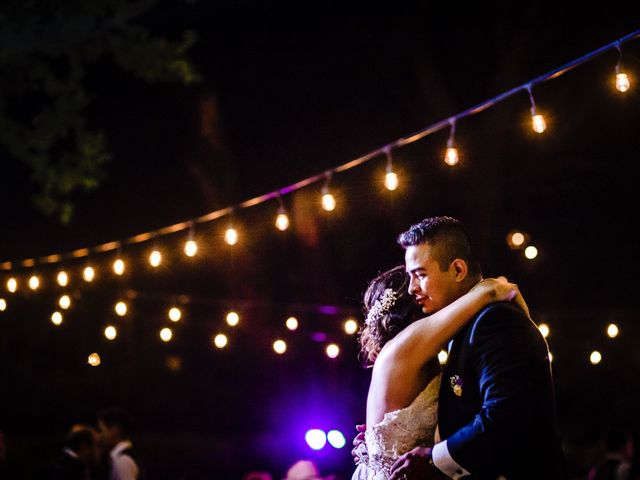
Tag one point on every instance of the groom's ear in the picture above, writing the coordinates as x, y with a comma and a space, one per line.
460, 269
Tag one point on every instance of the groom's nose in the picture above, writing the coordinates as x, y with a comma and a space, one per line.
413, 285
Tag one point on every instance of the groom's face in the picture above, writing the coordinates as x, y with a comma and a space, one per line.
432, 288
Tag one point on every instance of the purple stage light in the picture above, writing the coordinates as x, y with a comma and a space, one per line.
316, 439
336, 439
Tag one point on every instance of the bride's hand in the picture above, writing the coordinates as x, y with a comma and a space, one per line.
501, 290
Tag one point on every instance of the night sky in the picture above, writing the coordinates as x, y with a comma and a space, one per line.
288, 92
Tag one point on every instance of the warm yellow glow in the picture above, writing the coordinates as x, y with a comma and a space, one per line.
166, 334
328, 202
451, 156
350, 326
622, 82
292, 323
517, 239
190, 248
538, 123
612, 330
3, 304
391, 181
232, 319
121, 308
544, 329
88, 274
34, 282
442, 357
175, 314
282, 222
174, 363
155, 258
118, 266
56, 318
12, 285
279, 346
550, 357
220, 340
332, 350
110, 332
531, 252
595, 357
94, 360
62, 278
231, 236
64, 301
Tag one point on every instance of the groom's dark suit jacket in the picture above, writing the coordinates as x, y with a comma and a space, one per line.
504, 420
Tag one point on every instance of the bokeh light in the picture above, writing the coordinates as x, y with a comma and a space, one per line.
316, 439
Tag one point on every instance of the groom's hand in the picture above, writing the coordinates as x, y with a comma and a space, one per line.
359, 451
416, 464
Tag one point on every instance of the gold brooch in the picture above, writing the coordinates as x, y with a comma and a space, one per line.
456, 385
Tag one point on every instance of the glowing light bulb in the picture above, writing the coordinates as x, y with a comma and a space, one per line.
12, 285
56, 318
166, 334
612, 330
328, 202
531, 252
550, 357
190, 248
64, 301
316, 439
622, 82
516, 240
175, 314
391, 181
155, 258
332, 350
110, 332
34, 282
231, 236
442, 357
538, 123
232, 319
292, 323
62, 278
94, 360
451, 156
544, 329
220, 340
595, 357
88, 274
282, 221
350, 326
121, 308
3, 304
118, 266
336, 439
279, 346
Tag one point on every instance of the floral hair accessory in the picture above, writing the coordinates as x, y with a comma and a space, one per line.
381, 306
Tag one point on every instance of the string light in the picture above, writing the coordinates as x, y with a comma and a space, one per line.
3, 304
231, 236
34, 282
56, 318
64, 301
220, 340
544, 329
175, 314
118, 266
516, 240
328, 200
232, 319
62, 278
332, 350
442, 357
190, 246
279, 346
350, 326
155, 258
121, 308
612, 330
550, 357
451, 155
12, 285
166, 334
110, 332
282, 219
88, 274
390, 178
94, 360
622, 79
595, 358
537, 120
292, 323
531, 252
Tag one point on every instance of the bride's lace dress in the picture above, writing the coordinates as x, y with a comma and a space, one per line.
398, 432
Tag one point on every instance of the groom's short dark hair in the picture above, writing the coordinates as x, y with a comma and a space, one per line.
451, 237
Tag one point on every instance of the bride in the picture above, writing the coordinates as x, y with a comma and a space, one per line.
402, 403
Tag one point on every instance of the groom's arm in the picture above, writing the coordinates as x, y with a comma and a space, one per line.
507, 350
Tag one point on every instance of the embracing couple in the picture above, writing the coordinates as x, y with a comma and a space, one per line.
490, 412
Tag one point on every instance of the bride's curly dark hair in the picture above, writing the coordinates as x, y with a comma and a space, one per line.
403, 312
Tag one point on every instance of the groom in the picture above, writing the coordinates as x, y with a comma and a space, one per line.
496, 413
